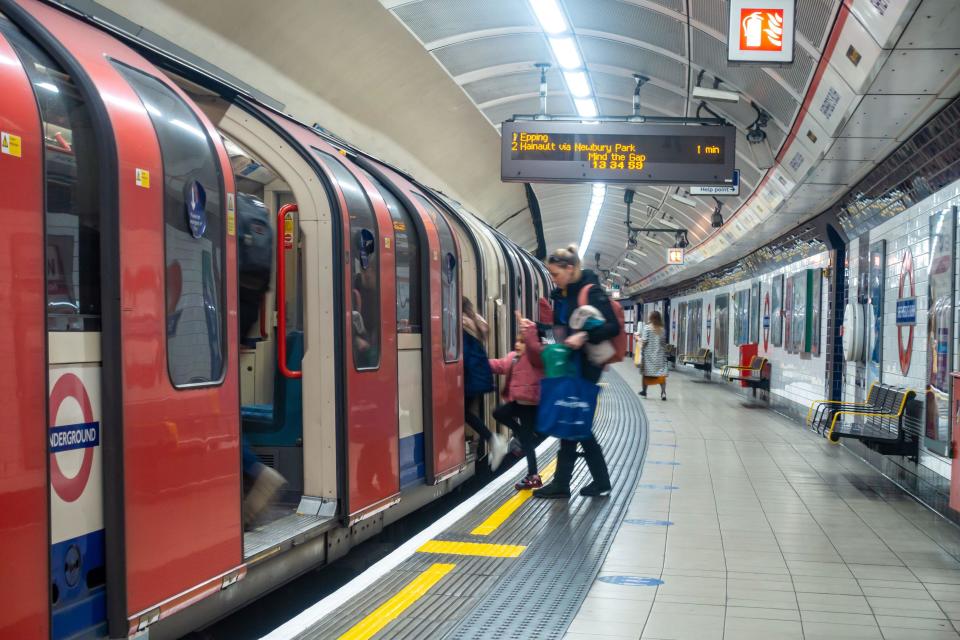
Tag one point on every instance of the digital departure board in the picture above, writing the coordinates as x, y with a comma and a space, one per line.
617, 152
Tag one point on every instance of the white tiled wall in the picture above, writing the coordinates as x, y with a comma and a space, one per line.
795, 378
907, 230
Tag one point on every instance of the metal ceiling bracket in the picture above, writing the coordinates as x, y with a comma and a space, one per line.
543, 66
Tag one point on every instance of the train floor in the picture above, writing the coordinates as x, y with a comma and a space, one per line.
725, 522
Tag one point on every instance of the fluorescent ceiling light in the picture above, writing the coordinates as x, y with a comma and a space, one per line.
577, 83
565, 49
586, 107
629, 261
690, 202
639, 253
549, 15
596, 202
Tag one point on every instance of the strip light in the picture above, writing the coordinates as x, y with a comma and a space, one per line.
596, 202
549, 16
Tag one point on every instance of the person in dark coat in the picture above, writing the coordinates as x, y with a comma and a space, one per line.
570, 278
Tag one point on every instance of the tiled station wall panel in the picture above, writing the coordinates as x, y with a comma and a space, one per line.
907, 230
797, 379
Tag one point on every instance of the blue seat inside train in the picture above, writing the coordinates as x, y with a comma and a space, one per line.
279, 424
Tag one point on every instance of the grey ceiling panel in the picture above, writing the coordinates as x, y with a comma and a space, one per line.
917, 70
936, 25
622, 87
836, 171
799, 73
636, 59
712, 13
675, 5
858, 148
490, 52
711, 54
632, 21
433, 20
814, 18
883, 115
512, 84
556, 103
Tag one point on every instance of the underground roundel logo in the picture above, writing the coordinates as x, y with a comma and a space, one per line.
196, 202
908, 300
84, 435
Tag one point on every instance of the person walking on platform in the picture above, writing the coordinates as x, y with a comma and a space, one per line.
522, 370
478, 380
570, 278
653, 363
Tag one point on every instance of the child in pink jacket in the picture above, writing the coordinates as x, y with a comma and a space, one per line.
523, 370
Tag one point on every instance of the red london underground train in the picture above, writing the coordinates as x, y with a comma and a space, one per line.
121, 491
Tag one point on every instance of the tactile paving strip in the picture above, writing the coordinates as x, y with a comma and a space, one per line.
538, 594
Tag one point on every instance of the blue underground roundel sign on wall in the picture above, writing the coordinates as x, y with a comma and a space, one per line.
196, 203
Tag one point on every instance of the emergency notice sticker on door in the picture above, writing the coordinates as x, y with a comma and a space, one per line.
231, 215
10, 144
143, 178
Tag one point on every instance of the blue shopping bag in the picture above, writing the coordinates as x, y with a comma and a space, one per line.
567, 405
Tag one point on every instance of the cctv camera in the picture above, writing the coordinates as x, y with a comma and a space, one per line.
628, 196
715, 95
716, 220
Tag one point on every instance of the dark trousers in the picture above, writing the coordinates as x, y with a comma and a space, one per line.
522, 420
470, 416
593, 455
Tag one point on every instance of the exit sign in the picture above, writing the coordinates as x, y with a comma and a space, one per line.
674, 256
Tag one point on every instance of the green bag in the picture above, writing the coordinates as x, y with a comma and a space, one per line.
556, 361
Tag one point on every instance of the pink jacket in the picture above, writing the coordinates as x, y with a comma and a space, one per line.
523, 382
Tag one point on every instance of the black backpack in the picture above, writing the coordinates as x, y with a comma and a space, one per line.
254, 244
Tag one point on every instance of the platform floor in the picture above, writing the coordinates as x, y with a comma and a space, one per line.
745, 526
726, 522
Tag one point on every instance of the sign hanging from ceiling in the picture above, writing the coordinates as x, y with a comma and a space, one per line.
730, 189
761, 31
616, 152
674, 255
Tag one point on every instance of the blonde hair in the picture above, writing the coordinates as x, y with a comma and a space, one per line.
568, 256
655, 320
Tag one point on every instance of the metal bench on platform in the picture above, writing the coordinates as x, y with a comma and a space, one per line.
755, 376
702, 360
881, 422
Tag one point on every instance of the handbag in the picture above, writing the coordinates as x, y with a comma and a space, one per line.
567, 406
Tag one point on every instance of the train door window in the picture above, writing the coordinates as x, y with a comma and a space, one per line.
71, 176
681, 326
449, 283
721, 329
364, 260
407, 243
194, 240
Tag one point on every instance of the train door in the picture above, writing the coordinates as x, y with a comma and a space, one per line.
24, 554
372, 475
171, 418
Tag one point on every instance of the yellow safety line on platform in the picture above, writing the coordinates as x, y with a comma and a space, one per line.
473, 549
392, 608
506, 510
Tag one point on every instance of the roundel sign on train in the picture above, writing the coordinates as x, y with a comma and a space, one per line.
74, 434
196, 202
766, 321
906, 311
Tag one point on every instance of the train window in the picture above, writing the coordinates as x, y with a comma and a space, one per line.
193, 235
449, 283
71, 176
407, 255
364, 266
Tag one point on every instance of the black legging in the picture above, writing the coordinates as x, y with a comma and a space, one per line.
522, 420
472, 419
593, 455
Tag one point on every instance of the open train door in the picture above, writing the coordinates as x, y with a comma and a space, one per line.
24, 574
170, 409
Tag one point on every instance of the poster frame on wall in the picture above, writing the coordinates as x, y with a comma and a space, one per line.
755, 315
788, 315
776, 312
940, 296
721, 329
876, 283
814, 300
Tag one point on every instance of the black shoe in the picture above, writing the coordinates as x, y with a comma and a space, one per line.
663, 396
595, 489
554, 490
642, 393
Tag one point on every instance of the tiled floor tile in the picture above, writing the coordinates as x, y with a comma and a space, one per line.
831, 602
757, 629
609, 627
832, 631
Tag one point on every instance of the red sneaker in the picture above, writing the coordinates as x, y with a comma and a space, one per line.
530, 482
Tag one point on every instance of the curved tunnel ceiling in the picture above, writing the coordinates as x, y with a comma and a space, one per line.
489, 48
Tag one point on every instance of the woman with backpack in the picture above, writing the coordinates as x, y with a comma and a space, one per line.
522, 371
478, 380
578, 287
653, 362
